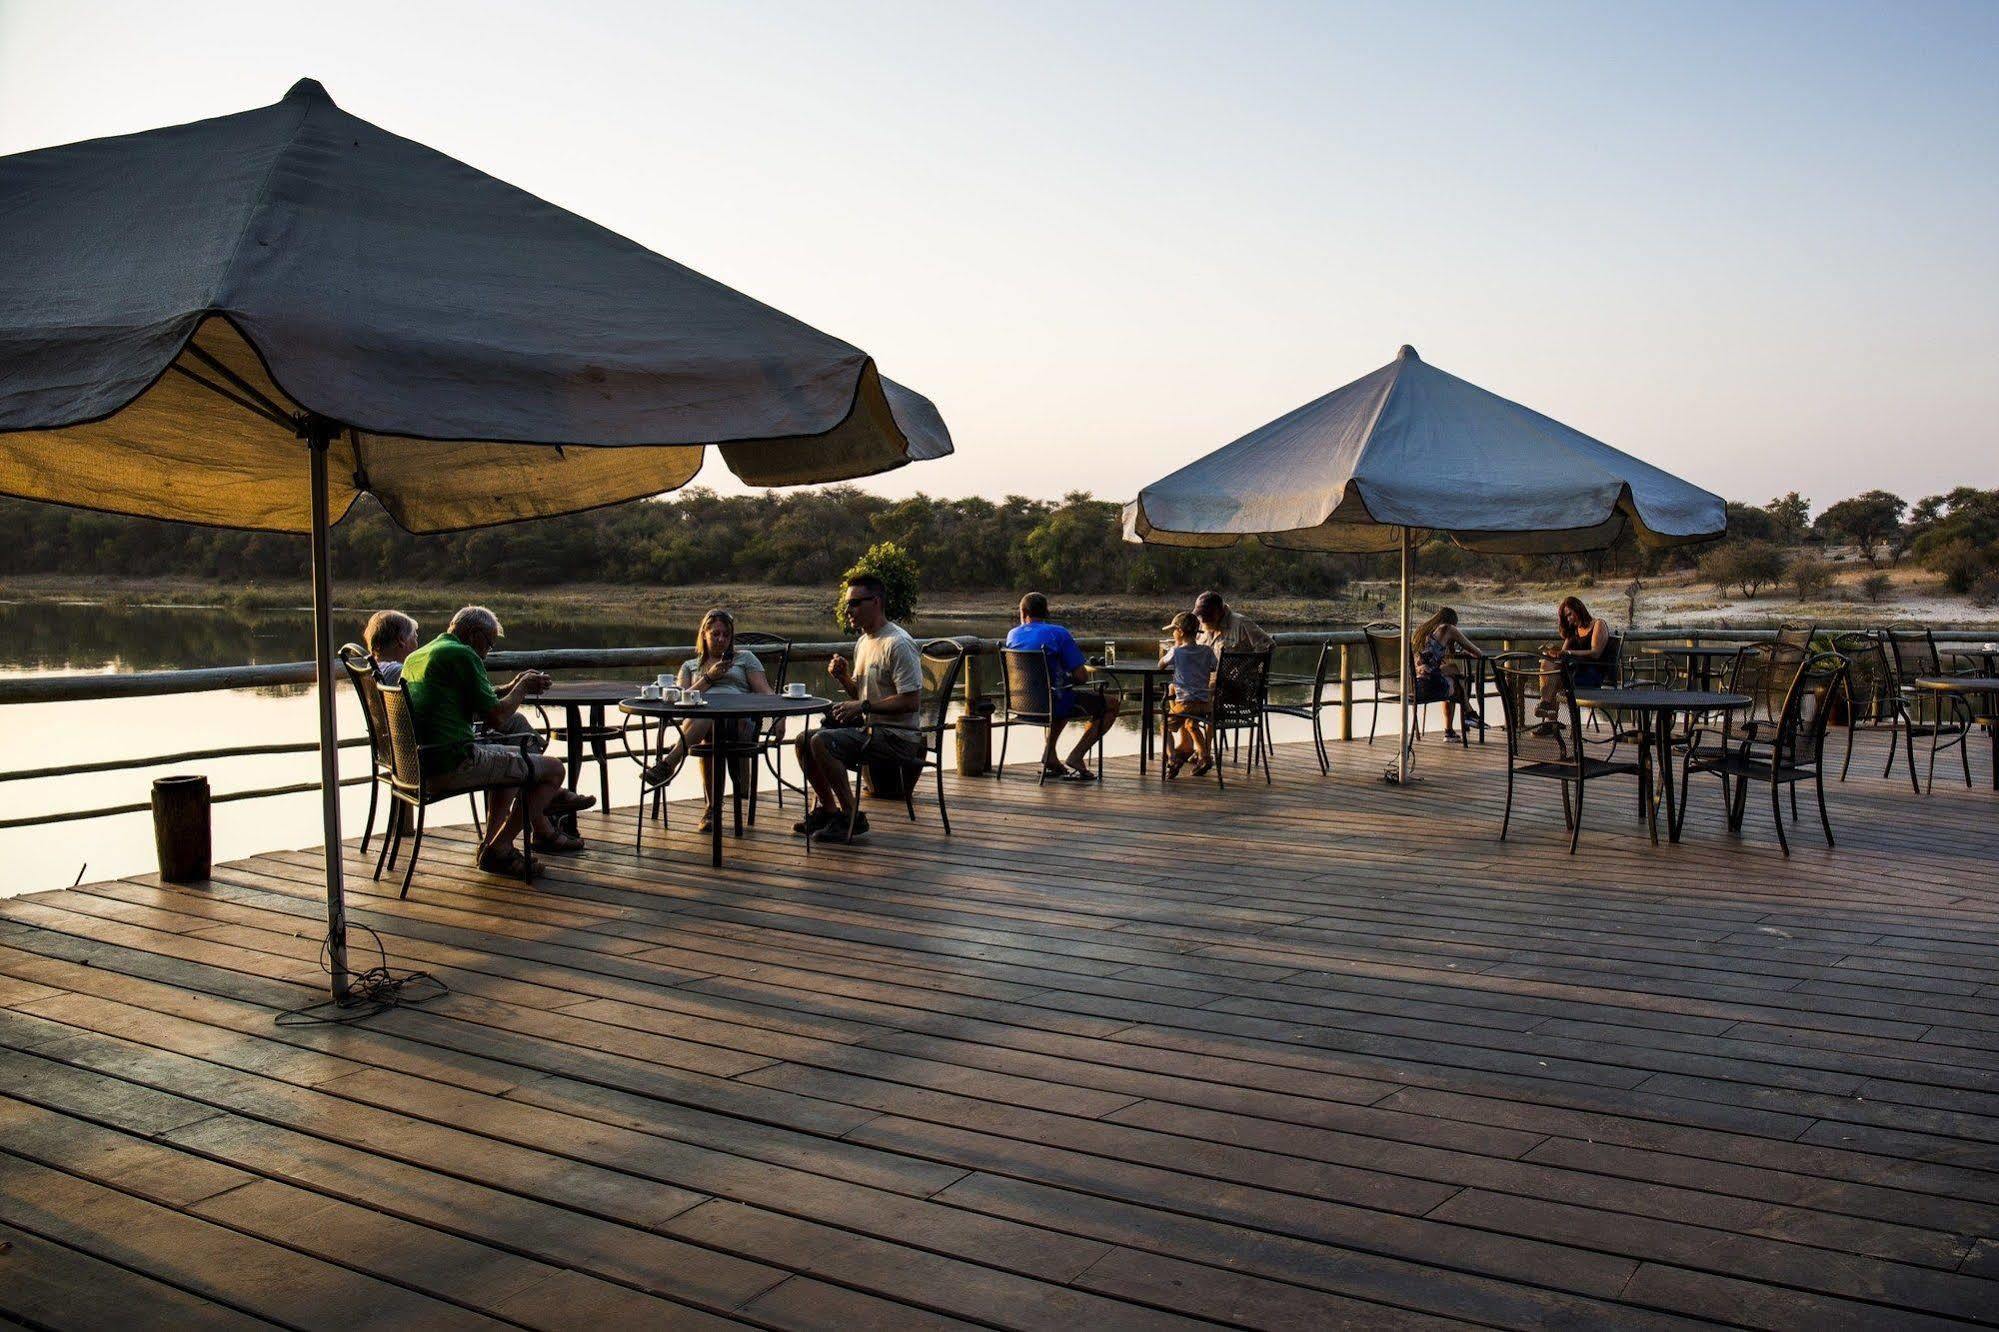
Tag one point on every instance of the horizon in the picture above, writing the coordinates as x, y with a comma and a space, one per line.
1110, 241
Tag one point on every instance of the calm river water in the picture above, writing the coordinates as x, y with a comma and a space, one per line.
61, 638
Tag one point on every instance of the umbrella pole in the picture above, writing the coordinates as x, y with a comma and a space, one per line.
1408, 738
319, 435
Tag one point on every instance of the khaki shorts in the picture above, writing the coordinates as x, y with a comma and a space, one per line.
484, 766
854, 745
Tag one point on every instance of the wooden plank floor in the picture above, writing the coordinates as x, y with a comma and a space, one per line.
1319, 1054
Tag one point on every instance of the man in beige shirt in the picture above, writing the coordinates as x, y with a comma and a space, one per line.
1226, 630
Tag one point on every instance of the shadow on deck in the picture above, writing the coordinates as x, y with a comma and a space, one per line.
1321, 1053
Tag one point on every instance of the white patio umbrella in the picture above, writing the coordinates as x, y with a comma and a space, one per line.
250, 321
1409, 450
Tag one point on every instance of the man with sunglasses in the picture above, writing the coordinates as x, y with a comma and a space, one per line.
877, 723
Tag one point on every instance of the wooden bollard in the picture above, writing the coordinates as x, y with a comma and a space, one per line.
975, 745
180, 828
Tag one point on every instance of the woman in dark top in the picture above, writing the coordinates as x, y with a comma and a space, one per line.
1584, 641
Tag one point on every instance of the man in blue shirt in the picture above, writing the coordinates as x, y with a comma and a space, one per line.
1067, 668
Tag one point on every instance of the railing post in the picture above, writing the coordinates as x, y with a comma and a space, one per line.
1346, 691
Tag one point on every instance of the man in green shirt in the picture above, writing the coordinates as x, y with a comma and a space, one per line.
449, 693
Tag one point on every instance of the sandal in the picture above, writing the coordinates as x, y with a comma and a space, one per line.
570, 802
1174, 764
1204, 767
563, 844
505, 860
1076, 772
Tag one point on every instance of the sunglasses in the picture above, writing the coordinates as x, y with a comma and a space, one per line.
860, 600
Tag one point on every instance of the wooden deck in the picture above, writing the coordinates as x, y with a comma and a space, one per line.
1322, 1054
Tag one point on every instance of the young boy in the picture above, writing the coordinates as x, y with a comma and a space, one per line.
1188, 698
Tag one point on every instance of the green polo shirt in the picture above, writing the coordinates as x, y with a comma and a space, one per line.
448, 692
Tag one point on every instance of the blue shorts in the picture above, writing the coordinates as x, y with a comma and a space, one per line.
1079, 703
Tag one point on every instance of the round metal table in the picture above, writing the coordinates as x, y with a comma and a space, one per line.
574, 697
1985, 685
723, 743
1700, 660
1655, 747
1149, 675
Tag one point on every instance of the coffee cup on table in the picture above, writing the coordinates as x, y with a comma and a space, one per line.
663, 679
671, 693
649, 691
794, 691
692, 697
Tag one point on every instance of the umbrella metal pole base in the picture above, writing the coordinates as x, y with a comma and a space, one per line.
320, 433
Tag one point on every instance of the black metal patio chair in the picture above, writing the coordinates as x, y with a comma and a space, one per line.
1029, 684
1793, 753
1237, 706
359, 664
1313, 704
943, 660
1384, 648
1547, 752
774, 651
409, 788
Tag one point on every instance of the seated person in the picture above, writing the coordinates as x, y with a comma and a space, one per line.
877, 723
1067, 668
449, 693
1227, 630
390, 637
719, 667
1437, 680
1188, 697
1584, 641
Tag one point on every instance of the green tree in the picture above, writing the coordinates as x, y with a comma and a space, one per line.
1791, 515
890, 563
1867, 520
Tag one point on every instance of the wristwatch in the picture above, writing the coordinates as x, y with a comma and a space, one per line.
864, 707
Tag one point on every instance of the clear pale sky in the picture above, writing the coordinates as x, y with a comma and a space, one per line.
1758, 244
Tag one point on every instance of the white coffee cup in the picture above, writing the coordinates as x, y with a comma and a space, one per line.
663, 680
671, 693
693, 698
794, 691
649, 691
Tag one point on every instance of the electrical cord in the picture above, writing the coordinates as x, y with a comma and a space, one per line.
376, 990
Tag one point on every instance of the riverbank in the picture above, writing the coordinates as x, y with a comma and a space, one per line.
1672, 602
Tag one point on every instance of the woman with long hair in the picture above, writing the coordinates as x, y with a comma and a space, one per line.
1433, 643
1584, 640
718, 667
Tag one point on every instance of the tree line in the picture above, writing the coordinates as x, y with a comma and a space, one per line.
1073, 545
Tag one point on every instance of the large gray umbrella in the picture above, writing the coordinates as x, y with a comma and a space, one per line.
1409, 450
249, 321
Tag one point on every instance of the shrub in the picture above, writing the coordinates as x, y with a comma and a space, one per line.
1810, 576
1748, 566
1960, 562
1876, 586
893, 565
1985, 592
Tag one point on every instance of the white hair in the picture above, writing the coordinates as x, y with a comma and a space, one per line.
471, 619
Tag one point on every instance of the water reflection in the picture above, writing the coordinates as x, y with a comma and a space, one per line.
52, 637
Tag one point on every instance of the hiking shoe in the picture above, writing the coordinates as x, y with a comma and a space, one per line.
836, 831
813, 822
